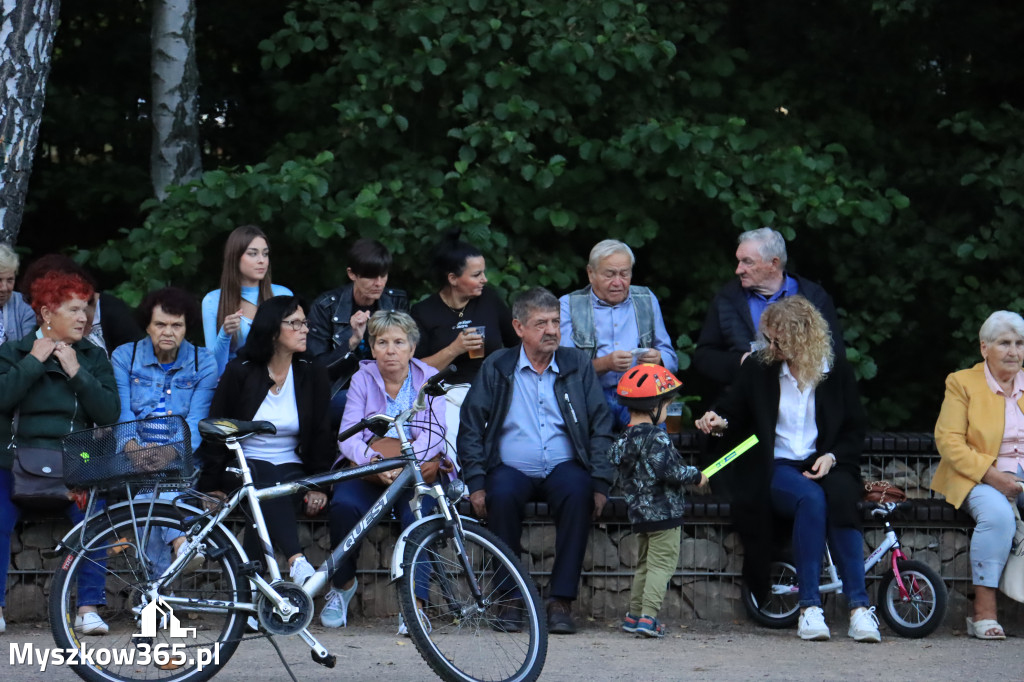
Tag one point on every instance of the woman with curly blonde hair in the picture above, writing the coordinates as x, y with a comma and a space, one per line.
803, 406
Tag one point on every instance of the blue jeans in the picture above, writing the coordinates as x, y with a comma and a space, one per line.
797, 497
994, 527
91, 577
349, 503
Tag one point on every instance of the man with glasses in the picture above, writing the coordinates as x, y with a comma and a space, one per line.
730, 330
617, 324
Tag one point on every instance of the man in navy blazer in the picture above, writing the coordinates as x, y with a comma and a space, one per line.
730, 327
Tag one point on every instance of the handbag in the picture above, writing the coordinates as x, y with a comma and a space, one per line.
883, 491
38, 479
37, 475
1011, 583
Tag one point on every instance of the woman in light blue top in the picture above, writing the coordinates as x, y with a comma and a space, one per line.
244, 284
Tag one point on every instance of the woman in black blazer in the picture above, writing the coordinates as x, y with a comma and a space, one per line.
272, 380
802, 404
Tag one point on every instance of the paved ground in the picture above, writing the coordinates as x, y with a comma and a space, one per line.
696, 651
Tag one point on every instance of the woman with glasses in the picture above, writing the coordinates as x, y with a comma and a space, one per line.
271, 380
802, 404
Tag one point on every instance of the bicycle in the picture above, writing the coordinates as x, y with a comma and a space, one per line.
483, 606
912, 597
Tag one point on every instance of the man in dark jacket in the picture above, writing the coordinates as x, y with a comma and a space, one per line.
730, 329
337, 318
535, 423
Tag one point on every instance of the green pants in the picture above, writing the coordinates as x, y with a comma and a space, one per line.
658, 555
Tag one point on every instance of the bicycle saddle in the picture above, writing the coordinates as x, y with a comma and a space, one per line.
220, 429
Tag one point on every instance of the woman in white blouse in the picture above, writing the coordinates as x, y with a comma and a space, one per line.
271, 380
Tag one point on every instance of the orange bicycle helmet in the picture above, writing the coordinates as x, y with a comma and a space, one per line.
645, 387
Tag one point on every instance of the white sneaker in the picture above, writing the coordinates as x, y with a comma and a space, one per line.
403, 629
301, 571
812, 625
335, 613
3, 624
864, 625
91, 624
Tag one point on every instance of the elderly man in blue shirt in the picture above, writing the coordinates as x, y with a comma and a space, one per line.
618, 325
730, 332
535, 424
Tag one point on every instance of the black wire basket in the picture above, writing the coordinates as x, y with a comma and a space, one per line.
154, 450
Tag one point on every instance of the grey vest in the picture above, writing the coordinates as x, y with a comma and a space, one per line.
581, 312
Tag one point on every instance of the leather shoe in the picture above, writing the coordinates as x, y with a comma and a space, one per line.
560, 620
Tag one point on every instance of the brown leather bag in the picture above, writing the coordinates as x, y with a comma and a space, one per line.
883, 491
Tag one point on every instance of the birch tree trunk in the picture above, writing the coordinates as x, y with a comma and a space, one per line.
174, 158
26, 45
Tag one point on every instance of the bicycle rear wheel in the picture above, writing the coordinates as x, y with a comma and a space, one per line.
116, 566
781, 609
504, 638
925, 605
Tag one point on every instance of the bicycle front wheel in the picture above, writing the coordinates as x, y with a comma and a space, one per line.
923, 608
781, 607
497, 637
121, 555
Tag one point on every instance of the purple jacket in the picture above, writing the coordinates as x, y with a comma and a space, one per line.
366, 397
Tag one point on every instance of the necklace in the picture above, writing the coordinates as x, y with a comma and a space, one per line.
457, 311
278, 385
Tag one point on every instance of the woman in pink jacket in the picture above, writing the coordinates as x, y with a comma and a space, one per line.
387, 384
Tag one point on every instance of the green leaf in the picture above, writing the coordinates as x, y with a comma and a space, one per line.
436, 65
559, 218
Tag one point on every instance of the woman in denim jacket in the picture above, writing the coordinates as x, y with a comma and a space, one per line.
165, 375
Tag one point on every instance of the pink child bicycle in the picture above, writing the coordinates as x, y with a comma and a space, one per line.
911, 596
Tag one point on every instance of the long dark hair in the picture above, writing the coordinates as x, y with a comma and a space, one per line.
230, 276
266, 327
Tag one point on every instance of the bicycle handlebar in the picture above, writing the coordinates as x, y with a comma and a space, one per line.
380, 423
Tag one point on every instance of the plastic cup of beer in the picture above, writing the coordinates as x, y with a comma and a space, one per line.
674, 421
477, 353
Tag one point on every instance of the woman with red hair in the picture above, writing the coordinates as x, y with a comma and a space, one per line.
55, 382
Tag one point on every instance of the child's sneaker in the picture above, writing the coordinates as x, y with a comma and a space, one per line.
864, 625
812, 625
629, 622
648, 626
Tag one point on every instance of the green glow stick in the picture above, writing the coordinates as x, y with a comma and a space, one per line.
730, 456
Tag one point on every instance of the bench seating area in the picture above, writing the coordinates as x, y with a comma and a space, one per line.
706, 582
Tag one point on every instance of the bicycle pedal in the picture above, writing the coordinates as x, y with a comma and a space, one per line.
215, 553
328, 661
250, 568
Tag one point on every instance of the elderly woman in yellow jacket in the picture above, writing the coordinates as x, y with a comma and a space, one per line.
980, 436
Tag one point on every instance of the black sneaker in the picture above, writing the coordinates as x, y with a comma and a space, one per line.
560, 620
510, 617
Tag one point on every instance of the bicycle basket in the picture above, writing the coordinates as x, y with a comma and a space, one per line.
158, 449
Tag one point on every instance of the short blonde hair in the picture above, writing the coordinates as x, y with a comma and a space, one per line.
382, 320
800, 332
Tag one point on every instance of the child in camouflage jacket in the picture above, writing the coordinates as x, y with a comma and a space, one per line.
653, 475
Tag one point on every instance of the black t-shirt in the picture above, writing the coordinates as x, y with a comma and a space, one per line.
439, 327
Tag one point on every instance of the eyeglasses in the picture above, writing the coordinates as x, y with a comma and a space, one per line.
770, 341
296, 324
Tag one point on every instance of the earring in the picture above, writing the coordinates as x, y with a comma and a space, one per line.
48, 327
